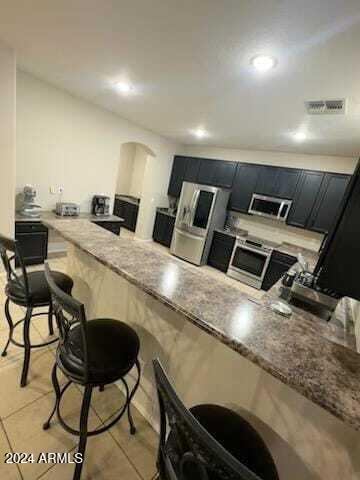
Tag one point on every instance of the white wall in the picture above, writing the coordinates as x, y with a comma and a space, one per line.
138, 173
295, 160
7, 139
126, 165
63, 140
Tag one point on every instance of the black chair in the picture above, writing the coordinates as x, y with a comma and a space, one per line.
207, 442
29, 290
91, 353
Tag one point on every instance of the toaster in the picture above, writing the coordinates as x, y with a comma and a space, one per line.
66, 209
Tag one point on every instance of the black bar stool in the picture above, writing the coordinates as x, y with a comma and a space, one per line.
207, 442
93, 354
29, 290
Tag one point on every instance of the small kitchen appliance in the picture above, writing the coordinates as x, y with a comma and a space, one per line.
67, 209
250, 260
201, 209
29, 208
270, 207
100, 206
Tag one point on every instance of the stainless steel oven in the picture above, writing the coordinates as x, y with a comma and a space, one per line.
249, 261
271, 207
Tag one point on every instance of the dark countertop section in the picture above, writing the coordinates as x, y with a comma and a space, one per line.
128, 198
291, 349
166, 211
49, 215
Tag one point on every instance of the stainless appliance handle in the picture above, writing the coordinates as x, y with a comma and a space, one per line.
267, 255
193, 205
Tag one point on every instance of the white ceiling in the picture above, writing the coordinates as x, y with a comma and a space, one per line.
189, 63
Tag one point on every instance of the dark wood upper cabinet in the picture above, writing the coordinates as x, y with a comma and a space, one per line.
267, 181
177, 175
224, 174
328, 202
305, 197
246, 179
278, 181
218, 173
287, 181
192, 170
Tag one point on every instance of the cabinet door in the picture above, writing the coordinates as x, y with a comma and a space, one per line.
159, 227
177, 176
268, 180
131, 216
305, 197
220, 251
224, 174
287, 181
33, 247
328, 202
168, 230
192, 170
207, 172
245, 182
119, 208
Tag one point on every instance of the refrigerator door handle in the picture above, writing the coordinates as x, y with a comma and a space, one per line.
193, 206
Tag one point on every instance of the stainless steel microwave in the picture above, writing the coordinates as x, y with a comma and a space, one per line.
270, 207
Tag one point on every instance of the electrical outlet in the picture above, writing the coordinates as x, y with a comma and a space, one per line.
53, 190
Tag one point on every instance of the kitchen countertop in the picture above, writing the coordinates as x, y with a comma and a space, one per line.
128, 198
49, 215
294, 350
166, 211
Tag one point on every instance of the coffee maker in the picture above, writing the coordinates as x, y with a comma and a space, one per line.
100, 206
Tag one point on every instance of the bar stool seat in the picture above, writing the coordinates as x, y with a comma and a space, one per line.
114, 348
238, 437
39, 292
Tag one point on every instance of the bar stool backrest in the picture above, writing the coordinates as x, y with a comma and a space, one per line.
65, 304
192, 451
10, 251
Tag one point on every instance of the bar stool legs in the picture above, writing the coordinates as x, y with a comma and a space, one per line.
11, 327
83, 430
57, 391
27, 347
50, 320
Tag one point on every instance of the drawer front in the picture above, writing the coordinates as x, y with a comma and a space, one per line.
283, 258
29, 227
223, 237
113, 227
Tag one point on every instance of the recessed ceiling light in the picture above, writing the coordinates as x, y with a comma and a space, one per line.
299, 136
200, 133
263, 63
123, 87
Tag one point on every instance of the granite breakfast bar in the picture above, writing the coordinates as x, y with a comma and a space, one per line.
299, 388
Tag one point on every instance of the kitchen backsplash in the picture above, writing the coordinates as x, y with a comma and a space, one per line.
274, 230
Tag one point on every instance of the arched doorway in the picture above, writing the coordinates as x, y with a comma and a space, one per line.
137, 178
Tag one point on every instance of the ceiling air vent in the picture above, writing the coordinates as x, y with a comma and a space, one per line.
325, 107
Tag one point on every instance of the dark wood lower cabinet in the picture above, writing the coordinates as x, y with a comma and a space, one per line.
163, 229
128, 211
33, 241
221, 251
279, 264
113, 227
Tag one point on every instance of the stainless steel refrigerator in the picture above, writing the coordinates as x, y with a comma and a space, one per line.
201, 209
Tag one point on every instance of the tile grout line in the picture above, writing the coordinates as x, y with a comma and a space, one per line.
2, 426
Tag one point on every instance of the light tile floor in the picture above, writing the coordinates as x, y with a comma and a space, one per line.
113, 455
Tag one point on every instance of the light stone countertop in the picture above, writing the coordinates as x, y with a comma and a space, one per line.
293, 349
